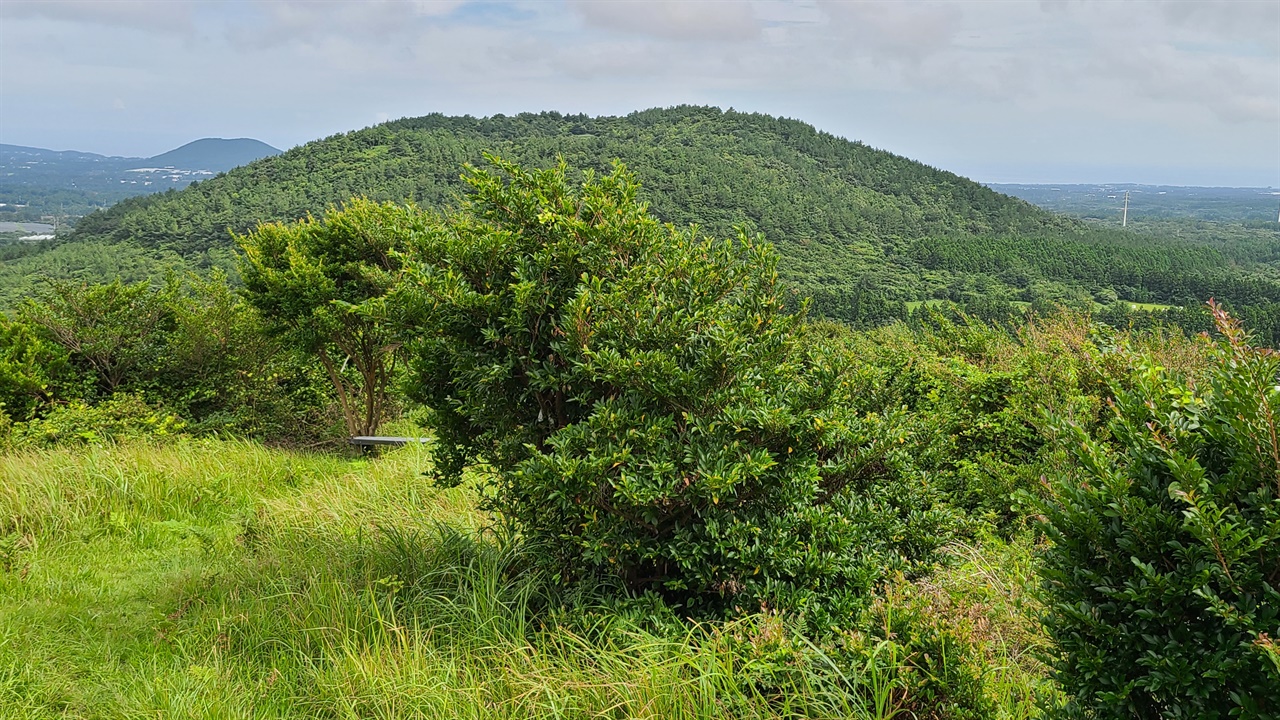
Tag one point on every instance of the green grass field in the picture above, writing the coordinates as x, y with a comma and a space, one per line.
222, 579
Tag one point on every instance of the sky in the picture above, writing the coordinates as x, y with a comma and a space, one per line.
1056, 91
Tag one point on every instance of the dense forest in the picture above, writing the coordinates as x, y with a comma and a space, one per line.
868, 235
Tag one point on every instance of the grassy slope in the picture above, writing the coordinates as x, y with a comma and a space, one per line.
221, 579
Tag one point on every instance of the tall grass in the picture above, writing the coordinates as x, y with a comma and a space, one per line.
221, 579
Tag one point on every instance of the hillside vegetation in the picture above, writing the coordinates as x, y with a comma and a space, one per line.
651, 485
172, 576
867, 234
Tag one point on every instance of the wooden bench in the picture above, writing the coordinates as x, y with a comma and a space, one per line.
370, 443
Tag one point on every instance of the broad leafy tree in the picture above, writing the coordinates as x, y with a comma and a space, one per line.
321, 283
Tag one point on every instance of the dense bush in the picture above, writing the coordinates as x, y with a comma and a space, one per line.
117, 417
645, 404
224, 372
320, 284
977, 395
190, 348
110, 329
1164, 566
33, 370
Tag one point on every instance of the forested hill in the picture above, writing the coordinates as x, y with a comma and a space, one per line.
835, 207
864, 231
702, 165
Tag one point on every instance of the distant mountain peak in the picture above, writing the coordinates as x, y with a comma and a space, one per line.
215, 154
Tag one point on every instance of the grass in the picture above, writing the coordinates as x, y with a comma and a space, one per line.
222, 579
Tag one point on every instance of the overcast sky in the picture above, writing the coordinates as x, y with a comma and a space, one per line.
1053, 91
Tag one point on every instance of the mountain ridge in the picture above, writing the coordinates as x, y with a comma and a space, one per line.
181, 156
6, 148
867, 234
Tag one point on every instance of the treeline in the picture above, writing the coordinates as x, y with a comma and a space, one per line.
25, 269
1139, 268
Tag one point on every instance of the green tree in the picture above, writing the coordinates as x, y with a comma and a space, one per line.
111, 330
322, 283
643, 401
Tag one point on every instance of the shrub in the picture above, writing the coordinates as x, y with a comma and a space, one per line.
1164, 566
33, 370
979, 395
194, 347
110, 330
225, 373
120, 416
646, 406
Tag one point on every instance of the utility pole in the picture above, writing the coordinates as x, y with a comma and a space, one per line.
1124, 221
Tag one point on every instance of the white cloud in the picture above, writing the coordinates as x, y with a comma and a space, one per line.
894, 32
146, 15
989, 80
684, 20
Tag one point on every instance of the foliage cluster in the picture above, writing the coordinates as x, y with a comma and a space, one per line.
117, 417
641, 397
93, 360
1165, 557
981, 398
33, 370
